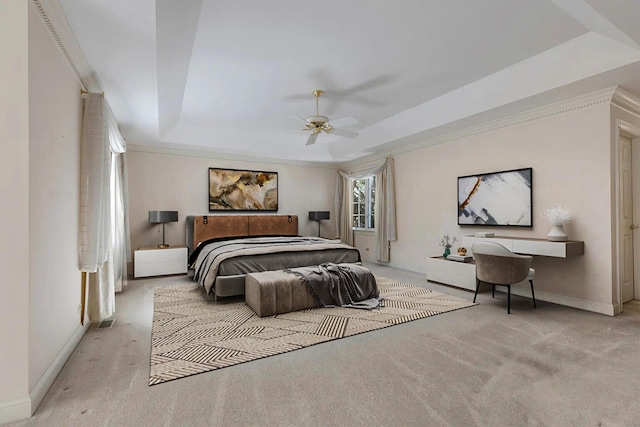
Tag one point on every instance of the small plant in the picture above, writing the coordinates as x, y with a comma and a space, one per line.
558, 215
447, 242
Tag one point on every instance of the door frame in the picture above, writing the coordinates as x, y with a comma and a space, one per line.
633, 132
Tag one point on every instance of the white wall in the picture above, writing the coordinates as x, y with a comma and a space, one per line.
55, 120
14, 192
180, 182
40, 119
366, 243
571, 161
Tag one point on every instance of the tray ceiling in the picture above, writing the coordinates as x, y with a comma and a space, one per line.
231, 77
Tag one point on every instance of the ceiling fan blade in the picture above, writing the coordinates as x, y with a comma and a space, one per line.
312, 139
345, 121
345, 133
356, 99
369, 84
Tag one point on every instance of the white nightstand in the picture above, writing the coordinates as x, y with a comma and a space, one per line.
158, 262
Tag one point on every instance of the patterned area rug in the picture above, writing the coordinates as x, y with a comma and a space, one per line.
193, 334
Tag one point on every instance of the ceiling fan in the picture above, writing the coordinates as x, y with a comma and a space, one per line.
317, 124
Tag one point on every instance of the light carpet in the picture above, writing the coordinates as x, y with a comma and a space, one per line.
193, 334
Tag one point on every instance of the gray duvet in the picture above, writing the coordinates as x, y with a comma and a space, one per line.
247, 255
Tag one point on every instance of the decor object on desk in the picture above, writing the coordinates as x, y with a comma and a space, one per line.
557, 217
496, 198
460, 258
446, 243
242, 190
319, 216
462, 251
162, 217
193, 334
483, 234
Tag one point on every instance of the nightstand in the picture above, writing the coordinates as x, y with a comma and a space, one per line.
158, 262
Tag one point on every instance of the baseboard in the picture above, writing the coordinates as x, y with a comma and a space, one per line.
15, 410
49, 376
524, 291
403, 266
596, 307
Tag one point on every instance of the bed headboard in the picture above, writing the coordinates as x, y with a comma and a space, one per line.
201, 228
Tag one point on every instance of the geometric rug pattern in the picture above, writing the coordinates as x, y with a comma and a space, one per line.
193, 334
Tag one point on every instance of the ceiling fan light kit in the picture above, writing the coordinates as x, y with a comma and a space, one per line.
317, 120
317, 124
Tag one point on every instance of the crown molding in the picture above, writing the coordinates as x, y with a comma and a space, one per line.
207, 154
577, 103
626, 101
53, 17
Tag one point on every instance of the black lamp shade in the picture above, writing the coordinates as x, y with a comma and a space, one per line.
318, 215
163, 216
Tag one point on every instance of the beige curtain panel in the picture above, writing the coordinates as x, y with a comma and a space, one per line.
385, 209
104, 223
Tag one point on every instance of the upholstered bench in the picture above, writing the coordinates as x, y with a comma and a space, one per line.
276, 292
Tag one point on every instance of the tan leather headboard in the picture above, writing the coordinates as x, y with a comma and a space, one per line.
201, 228
286, 225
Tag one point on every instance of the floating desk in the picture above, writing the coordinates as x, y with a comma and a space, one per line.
526, 246
463, 274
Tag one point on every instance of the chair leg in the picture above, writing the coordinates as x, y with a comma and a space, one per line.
508, 299
477, 286
533, 296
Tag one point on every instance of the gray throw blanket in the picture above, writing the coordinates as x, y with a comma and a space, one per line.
342, 285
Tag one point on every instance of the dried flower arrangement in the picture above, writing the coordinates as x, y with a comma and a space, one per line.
447, 242
558, 215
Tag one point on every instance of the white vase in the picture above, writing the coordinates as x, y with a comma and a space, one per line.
557, 234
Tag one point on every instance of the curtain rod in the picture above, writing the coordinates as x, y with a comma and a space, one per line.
372, 164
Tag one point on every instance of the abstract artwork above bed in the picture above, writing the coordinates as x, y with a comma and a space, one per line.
242, 190
192, 334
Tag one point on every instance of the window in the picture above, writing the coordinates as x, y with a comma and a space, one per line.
364, 199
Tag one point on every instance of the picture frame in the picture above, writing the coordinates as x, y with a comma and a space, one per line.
242, 190
502, 198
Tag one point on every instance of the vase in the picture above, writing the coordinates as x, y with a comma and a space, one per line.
557, 234
447, 252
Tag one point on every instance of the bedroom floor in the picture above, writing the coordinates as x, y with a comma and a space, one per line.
552, 366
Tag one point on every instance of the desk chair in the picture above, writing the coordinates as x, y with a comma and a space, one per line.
498, 266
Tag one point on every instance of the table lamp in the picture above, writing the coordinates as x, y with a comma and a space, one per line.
162, 217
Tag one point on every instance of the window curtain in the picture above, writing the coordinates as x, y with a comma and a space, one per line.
385, 209
104, 225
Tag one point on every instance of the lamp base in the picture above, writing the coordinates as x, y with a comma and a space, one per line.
163, 246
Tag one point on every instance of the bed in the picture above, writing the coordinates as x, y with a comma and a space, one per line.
224, 248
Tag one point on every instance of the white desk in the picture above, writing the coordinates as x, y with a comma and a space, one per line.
454, 273
463, 274
522, 245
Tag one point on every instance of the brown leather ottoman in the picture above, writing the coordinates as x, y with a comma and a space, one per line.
276, 292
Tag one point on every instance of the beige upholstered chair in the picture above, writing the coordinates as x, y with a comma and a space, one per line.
497, 265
